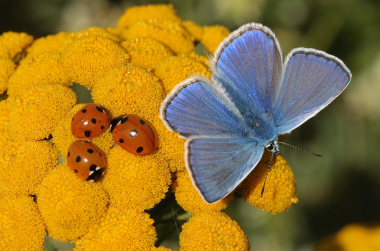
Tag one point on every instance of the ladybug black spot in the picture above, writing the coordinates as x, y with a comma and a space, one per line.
142, 122
75, 171
124, 119
121, 140
78, 159
84, 110
68, 154
102, 127
90, 150
93, 121
140, 149
87, 133
99, 109
93, 167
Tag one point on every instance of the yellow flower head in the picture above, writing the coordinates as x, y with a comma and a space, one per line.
23, 172
148, 12
146, 52
129, 89
43, 69
170, 33
51, 43
280, 187
21, 226
135, 182
173, 70
194, 29
7, 67
68, 205
63, 137
213, 36
213, 231
8, 146
95, 32
13, 44
88, 58
37, 112
353, 237
120, 230
171, 147
189, 198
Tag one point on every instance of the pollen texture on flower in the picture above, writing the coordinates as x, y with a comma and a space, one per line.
146, 178
68, 205
213, 231
146, 52
21, 173
120, 88
12, 44
21, 226
88, 58
120, 229
7, 67
189, 198
44, 107
280, 187
149, 12
213, 35
174, 70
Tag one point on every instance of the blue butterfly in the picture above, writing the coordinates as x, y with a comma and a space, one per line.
251, 99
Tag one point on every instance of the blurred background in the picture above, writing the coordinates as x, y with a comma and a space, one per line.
339, 189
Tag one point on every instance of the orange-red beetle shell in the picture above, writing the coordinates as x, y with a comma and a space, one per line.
90, 122
86, 160
134, 134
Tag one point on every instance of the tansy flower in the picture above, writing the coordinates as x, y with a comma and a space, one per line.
280, 186
173, 70
213, 35
21, 173
68, 205
51, 43
353, 237
135, 182
43, 107
189, 198
88, 58
149, 12
213, 231
120, 88
120, 229
42, 69
7, 67
12, 44
194, 29
170, 33
21, 226
146, 52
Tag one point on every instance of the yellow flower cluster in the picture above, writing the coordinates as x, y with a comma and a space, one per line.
129, 69
353, 237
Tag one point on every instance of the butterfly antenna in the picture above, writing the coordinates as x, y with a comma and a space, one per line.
301, 149
271, 160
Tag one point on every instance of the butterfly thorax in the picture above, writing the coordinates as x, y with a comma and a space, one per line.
261, 128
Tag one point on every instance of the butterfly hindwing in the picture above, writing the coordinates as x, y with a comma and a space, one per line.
312, 79
195, 108
219, 165
248, 66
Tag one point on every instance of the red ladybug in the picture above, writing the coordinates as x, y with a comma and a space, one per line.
90, 122
134, 134
86, 160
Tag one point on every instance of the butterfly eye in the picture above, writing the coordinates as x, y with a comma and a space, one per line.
270, 146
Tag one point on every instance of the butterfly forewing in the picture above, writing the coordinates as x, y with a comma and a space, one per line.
195, 108
248, 66
312, 79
